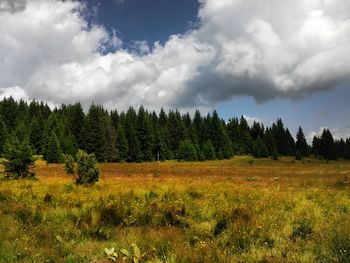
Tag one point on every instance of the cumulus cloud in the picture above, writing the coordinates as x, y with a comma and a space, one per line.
336, 132
265, 49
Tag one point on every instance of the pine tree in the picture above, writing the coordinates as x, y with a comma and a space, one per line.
36, 134
209, 151
327, 147
74, 115
340, 147
93, 134
233, 132
53, 152
176, 131
144, 135
198, 127
3, 135
18, 158
110, 150
187, 151
301, 144
122, 144
259, 148
219, 137
347, 149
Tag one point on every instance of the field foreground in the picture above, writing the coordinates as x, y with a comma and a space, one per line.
239, 210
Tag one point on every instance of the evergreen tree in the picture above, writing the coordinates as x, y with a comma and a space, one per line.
219, 137
122, 144
259, 149
53, 152
270, 142
233, 132
176, 131
18, 158
209, 151
187, 152
144, 135
340, 147
99, 135
347, 149
301, 144
110, 150
327, 147
36, 134
198, 127
3, 135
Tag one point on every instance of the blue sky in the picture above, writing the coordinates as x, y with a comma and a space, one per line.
156, 20
238, 57
150, 20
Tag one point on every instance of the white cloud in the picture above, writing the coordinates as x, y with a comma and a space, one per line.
263, 49
336, 132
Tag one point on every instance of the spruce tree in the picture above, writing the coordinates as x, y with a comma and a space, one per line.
18, 158
219, 137
301, 144
187, 151
259, 149
122, 144
347, 149
53, 151
144, 135
3, 135
208, 151
327, 147
36, 133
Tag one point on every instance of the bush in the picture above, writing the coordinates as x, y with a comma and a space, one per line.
69, 164
85, 168
18, 157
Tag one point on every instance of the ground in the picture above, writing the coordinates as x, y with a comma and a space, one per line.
238, 210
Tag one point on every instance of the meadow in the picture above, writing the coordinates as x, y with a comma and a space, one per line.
237, 210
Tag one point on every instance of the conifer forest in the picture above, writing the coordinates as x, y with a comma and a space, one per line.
138, 135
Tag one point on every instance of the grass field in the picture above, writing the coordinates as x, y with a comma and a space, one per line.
239, 210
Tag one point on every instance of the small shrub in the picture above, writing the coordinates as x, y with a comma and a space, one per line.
85, 168
69, 164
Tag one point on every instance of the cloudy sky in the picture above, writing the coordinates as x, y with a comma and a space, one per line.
262, 59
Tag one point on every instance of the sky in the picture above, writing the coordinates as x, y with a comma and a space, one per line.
261, 59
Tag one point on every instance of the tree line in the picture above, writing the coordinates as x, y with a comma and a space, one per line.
142, 136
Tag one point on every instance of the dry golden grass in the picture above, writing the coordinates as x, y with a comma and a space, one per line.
238, 210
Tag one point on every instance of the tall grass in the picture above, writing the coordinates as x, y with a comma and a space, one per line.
209, 213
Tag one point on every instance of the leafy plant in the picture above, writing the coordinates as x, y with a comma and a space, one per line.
133, 254
111, 254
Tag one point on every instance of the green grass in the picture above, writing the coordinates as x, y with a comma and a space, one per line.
218, 211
